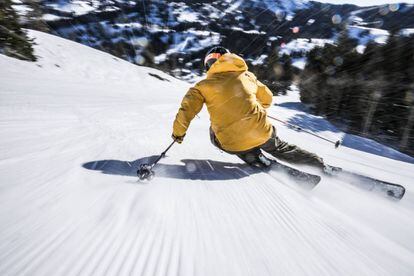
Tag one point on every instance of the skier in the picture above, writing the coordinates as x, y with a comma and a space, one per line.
237, 103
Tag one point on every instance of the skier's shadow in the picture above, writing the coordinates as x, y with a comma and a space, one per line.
195, 169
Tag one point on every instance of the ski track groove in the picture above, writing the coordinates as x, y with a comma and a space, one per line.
171, 219
45, 252
131, 251
35, 191
113, 248
98, 249
282, 214
201, 249
35, 228
45, 188
226, 223
350, 243
28, 251
173, 266
196, 210
239, 200
120, 266
171, 245
142, 258
141, 242
160, 263
16, 262
299, 233
287, 219
154, 252
92, 246
68, 263
13, 229
264, 210
253, 213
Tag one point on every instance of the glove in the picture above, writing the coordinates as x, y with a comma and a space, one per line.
178, 139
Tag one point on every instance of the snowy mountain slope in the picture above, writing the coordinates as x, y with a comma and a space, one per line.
75, 125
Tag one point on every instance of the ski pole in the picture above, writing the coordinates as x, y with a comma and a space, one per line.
337, 143
163, 153
145, 170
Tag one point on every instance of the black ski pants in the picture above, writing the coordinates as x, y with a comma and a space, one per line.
277, 148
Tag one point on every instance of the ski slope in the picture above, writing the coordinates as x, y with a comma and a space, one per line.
74, 126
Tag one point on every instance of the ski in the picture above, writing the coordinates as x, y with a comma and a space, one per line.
303, 179
391, 190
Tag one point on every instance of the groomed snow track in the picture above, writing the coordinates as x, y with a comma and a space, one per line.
74, 126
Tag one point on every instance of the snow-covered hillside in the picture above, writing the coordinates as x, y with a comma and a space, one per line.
77, 123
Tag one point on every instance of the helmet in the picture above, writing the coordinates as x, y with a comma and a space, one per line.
214, 54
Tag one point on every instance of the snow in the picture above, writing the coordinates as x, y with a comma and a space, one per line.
299, 63
139, 41
198, 32
51, 17
248, 31
134, 25
160, 58
260, 60
364, 34
355, 19
366, 3
310, 21
192, 41
110, 9
361, 48
303, 45
289, 17
184, 13
234, 6
22, 9
157, 29
77, 7
289, 6
76, 124
407, 32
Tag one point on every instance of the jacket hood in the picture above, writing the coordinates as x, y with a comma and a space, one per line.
228, 63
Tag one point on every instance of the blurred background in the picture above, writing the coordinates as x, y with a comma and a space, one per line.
353, 64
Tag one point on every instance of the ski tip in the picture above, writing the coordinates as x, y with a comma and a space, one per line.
310, 182
316, 180
396, 195
338, 143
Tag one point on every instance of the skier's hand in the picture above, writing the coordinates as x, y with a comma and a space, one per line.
178, 139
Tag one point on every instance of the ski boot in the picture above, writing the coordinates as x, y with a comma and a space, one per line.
261, 162
331, 170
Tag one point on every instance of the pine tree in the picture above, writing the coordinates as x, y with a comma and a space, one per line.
372, 93
13, 40
282, 68
34, 17
276, 72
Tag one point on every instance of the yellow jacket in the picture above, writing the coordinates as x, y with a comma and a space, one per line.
236, 101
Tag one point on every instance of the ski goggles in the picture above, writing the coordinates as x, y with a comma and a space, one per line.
211, 58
